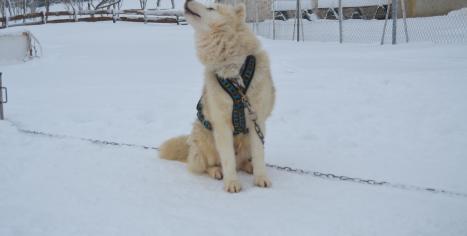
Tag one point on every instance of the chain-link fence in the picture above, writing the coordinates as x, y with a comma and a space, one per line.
363, 21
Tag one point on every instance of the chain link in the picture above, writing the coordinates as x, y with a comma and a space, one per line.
94, 141
365, 181
287, 169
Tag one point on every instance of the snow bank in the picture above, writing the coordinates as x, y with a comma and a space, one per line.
460, 12
14, 47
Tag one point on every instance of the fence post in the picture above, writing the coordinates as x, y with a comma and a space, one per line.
298, 20
75, 15
394, 21
404, 16
273, 20
114, 17
24, 11
1, 98
341, 17
44, 20
5, 14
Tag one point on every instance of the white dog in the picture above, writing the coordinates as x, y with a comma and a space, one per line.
225, 138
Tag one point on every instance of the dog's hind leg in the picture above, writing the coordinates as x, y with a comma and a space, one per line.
243, 154
196, 163
215, 172
247, 167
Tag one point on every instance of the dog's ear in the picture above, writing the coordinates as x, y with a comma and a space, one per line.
240, 11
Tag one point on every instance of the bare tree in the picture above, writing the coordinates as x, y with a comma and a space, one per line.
75, 5
143, 3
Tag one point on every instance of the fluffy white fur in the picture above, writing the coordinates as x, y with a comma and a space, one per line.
223, 41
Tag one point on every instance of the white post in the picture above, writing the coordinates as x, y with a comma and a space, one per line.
75, 15
24, 11
114, 17
44, 18
5, 16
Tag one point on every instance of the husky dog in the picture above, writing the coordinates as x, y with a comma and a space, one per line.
224, 42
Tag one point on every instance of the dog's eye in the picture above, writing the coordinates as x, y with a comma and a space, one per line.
210, 9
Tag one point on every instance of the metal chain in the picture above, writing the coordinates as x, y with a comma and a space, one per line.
94, 141
287, 169
366, 181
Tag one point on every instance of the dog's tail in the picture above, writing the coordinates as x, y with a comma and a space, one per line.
175, 149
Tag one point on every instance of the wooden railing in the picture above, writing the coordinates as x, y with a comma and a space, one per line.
132, 15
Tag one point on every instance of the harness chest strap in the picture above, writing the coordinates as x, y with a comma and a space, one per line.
238, 110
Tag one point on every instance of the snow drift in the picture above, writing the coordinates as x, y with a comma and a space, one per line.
18, 46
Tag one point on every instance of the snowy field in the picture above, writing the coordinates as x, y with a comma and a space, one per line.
394, 113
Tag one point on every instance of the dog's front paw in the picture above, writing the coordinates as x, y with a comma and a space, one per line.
232, 186
262, 181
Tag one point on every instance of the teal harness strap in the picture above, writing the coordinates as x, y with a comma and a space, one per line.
238, 110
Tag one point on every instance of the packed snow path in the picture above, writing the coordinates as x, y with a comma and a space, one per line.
340, 109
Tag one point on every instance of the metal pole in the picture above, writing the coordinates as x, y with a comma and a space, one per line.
394, 22
256, 17
301, 20
274, 20
144, 12
1, 98
404, 15
341, 13
385, 23
298, 20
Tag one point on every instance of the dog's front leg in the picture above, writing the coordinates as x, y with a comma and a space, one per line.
223, 139
257, 154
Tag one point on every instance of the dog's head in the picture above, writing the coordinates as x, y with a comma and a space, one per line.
222, 35
206, 18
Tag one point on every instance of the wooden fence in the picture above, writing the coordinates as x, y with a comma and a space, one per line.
132, 15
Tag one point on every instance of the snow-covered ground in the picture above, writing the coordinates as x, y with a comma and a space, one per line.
394, 113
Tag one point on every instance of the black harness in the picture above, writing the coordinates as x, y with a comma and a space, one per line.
238, 110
